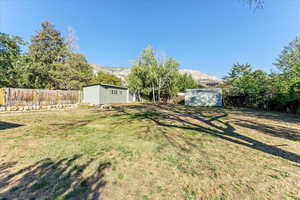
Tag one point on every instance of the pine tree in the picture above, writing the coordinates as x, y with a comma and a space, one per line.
48, 51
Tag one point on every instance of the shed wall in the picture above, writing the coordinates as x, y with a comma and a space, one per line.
112, 95
131, 97
91, 95
204, 97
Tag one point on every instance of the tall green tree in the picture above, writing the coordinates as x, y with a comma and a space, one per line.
237, 71
73, 74
49, 52
152, 76
53, 64
48, 46
286, 82
142, 77
169, 77
10, 56
186, 81
245, 82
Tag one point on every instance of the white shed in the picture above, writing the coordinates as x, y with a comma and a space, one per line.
99, 94
204, 97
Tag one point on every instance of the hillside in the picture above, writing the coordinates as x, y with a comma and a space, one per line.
122, 72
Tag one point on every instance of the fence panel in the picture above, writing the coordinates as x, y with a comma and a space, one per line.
33, 97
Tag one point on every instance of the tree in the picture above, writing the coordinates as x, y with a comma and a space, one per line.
48, 51
73, 74
150, 75
169, 78
71, 40
281, 89
53, 64
289, 59
10, 54
143, 73
247, 83
105, 78
237, 71
48, 46
137, 81
186, 81
165, 77
287, 81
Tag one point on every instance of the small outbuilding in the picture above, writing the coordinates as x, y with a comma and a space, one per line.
204, 97
99, 94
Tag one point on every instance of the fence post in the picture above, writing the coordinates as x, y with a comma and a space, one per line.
2, 96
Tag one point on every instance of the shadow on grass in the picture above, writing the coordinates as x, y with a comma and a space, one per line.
71, 125
275, 131
49, 179
8, 125
275, 116
207, 120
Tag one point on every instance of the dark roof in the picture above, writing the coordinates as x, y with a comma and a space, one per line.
108, 86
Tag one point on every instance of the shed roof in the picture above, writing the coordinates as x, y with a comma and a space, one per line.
107, 86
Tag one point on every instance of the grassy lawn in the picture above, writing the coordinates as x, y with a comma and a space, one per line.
150, 152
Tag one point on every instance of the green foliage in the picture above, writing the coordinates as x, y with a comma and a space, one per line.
106, 78
289, 59
287, 82
245, 82
141, 78
151, 76
49, 63
73, 74
49, 53
168, 79
237, 71
10, 53
282, 87
48, 46
186, 81
252, 83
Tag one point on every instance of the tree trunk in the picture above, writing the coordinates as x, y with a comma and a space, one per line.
153, 94
159, 92
141, 99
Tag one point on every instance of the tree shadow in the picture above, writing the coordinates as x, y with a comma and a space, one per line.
8, 125
275, 116
275, 131
70, 125
48, 179
205, 120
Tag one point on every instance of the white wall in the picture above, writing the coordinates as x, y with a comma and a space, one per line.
204, 97
91, 95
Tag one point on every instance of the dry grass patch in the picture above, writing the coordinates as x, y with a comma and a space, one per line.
143, 151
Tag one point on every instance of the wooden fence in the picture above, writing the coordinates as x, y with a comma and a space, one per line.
37, 97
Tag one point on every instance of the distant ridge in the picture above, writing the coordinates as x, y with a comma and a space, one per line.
122, 72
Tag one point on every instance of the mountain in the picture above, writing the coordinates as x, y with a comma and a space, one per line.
202, 78
122, 72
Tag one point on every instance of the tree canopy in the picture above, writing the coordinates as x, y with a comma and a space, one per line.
49, 63
157, 77
281, 88
106, 78
10, 54
186, 81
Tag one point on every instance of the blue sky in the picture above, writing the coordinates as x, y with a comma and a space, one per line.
206, 35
